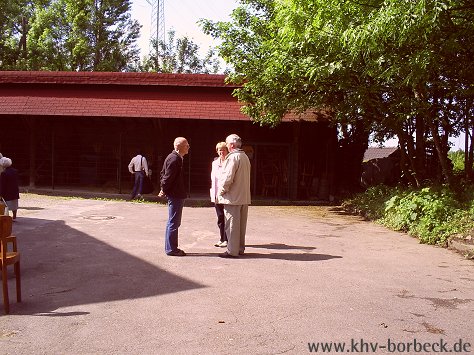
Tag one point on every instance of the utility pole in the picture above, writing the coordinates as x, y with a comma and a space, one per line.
157, 32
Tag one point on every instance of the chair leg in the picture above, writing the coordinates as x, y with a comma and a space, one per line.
18, 281
6, 301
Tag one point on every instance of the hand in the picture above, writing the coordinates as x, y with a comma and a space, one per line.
161, 194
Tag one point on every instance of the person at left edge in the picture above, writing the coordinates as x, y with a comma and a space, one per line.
139, 168
175, 191
9, 182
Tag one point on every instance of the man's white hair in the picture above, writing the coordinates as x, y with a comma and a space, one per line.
5, 162
235, 139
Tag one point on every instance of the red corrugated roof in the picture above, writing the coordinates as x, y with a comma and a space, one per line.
105, 107
106, 94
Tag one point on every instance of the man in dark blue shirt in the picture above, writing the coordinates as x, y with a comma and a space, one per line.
174, 189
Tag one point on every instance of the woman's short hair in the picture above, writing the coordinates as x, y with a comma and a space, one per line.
221, 145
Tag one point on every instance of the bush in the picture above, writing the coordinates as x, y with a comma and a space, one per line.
427, 214
369, 204
432, 214
457, 158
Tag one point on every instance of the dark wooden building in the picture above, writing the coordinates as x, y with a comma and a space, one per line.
78, 129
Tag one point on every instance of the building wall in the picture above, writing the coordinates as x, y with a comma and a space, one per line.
93, 153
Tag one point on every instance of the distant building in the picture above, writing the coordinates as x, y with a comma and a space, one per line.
376, 152
380, 166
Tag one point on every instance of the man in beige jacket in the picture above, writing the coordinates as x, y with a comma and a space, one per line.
234, 194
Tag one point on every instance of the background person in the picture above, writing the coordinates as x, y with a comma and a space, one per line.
10, 182
139, 168
174, 189
216, 169
1, 170
234, 194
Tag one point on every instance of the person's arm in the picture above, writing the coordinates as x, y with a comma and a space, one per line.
214, 169
130, 166
145, 166
169, 175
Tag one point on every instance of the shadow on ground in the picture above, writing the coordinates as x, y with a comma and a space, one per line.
274, 256
280, 246
63, 267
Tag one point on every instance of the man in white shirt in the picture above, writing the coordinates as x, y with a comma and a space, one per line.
138, 167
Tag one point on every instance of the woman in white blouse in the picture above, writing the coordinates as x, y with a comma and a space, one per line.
222, 152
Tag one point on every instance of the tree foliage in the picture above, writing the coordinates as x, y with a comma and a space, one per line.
389, 67
14, 16
179, 55
89, 35
86, 35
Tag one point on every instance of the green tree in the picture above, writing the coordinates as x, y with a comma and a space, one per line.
179, 55
393, 68
85, 35
294, 62
14, 17
418, 50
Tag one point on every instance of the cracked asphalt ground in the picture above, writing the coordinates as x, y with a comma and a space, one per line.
95, 280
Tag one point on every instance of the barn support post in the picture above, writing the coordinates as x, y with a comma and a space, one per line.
32, 172
53, 163
119, 162
293, 163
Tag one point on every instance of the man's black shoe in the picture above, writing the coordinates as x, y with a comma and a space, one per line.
177, 252
227, 255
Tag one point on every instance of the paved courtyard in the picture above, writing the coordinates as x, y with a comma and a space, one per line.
96, 281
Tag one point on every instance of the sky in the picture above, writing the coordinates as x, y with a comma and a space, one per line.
457, 143
182, 16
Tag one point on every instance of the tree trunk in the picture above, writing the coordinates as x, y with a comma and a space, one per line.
442, 153
468, 150
420, 158
408, 150
470, 160
22, 42
441, 143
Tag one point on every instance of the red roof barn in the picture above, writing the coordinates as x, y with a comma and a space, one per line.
66, 129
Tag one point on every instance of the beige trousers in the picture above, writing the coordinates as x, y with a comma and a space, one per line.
235, 227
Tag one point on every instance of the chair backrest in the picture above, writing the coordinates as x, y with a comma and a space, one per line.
5, 226
5, 231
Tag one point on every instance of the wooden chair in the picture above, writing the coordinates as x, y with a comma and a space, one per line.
306, 180
270, 180
9, 258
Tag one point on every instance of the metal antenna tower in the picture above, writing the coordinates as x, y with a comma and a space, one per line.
157, 32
